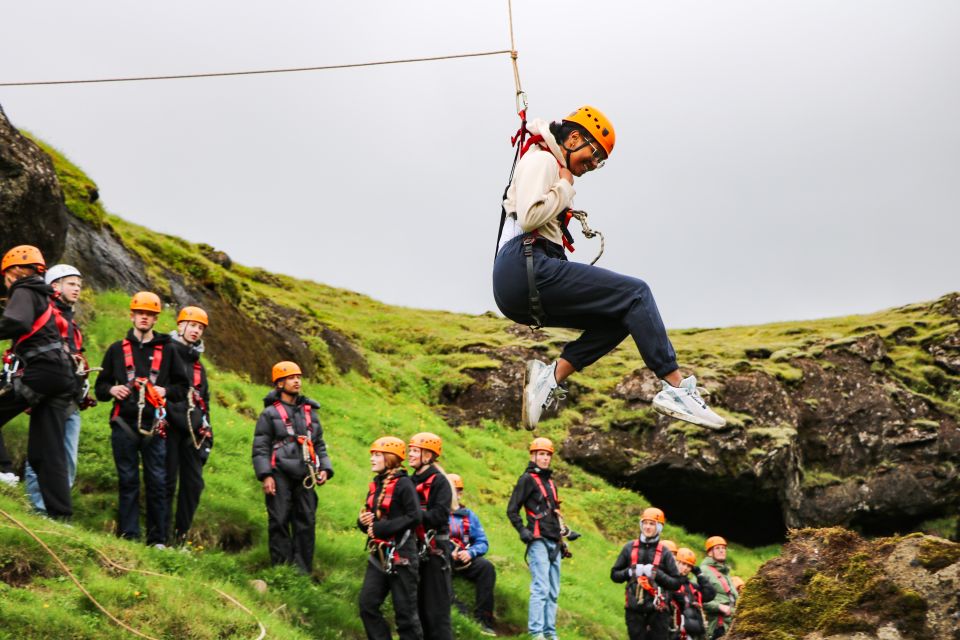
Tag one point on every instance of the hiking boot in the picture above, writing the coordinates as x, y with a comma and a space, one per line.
684, 403
540, 391
10, 479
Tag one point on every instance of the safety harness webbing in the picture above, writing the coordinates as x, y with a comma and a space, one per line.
546, 498
724, 584
292, 434
131, 370
644, 582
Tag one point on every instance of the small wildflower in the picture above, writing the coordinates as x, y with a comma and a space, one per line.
136, 594
46, 606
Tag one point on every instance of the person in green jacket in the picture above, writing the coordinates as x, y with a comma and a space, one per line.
714, 569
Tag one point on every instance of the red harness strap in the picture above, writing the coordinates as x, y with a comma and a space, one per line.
384, 508
291, 434
197, 379
155, 361
423, 491
460, 536
644, 582
546, 498
723, 583
38, 324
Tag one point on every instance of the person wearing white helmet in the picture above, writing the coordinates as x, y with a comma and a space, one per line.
67, 284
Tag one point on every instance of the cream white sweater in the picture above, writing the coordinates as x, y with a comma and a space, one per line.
537, 193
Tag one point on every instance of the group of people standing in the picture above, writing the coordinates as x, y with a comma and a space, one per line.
157, 383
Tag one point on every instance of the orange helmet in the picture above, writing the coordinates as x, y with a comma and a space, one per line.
428, 441
455, 480
145, 301
686, 555
388, 444
193, 314
652, 513
670, 544
597, 125
713, 541
541, 444
284, 369
737, 582
24, 255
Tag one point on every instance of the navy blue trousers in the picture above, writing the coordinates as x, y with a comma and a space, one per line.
127, 451
606, 305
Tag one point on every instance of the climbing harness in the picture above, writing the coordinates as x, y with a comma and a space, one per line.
310, 460
385, 551
194, 400
660, 603
726, 589
427, 538
146, 391
462, 543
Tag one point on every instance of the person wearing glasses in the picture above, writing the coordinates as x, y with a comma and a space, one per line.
535, 284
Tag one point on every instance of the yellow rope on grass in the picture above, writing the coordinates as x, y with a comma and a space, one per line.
119, 567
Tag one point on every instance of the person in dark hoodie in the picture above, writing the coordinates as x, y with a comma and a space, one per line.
141, 373
470, 542
650, 572
290, 459
435, 594
67, 284
38, 374
536, 492
691, 596
389, 518
190, 437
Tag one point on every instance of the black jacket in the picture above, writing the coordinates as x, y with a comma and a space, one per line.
177, 411
270, 431
404, 514
666, 576
28, 300
527, 496
686, 599
171, 375
436, 514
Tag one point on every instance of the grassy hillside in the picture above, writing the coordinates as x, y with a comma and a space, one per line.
411, 356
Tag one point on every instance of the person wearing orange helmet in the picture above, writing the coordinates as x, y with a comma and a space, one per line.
471, 545
650, 572
435, 595
141, 374
190, 437
536, 493
290, 459
535, 284
390, 516
689, 598
716, 571
38, 374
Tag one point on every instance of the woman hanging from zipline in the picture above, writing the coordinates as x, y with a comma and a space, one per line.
535, 284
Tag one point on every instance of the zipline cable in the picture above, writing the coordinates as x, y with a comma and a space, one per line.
119, 567
223, 74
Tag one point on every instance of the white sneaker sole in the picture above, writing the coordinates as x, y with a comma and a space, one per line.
686, 417
527, 377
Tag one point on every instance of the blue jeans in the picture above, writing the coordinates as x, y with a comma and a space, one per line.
71, 444
544, 587
606, 305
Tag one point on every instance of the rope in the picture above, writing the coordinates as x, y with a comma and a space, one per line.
588, 233
119, 567
223, 74
521, 97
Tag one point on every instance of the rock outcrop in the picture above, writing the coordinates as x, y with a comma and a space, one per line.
831, 584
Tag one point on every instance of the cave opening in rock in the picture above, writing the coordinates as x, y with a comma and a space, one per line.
735, 508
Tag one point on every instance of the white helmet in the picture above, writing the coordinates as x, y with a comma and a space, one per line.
59, 271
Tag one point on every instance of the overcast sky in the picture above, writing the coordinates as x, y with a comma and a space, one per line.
774, 159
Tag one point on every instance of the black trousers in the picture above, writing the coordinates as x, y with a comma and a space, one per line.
402, 587
45, 451
184, 464
6, 464
436, 595
128, 449
483, 575
291, 522
647, 625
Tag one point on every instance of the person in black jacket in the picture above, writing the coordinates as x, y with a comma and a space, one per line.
190, 437
691, 596
141, 374
433, 536
288, 433
536, 492
389, 518
650, 572
38, 374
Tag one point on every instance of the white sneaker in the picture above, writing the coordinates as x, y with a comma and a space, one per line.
9, 478
540, 391
684, 403
160, 546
